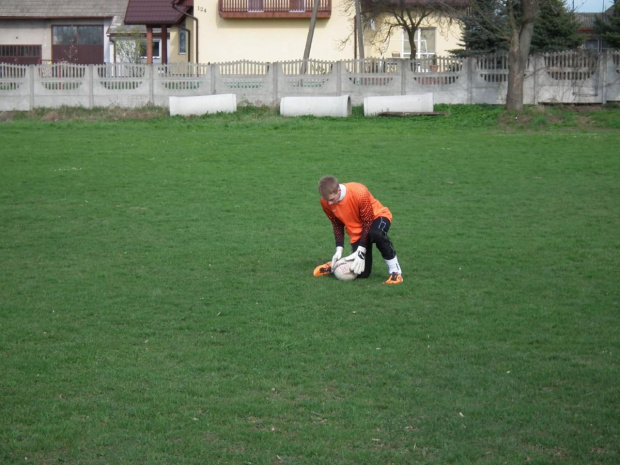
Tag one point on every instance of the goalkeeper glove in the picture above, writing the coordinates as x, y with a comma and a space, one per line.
359, 260
337, 256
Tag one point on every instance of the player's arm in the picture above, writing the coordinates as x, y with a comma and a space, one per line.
337, 225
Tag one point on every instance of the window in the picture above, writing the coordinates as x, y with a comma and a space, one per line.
77, 44
183, 34
156, 49
77, 35
20, 54
424, 42
90, 35
64, 35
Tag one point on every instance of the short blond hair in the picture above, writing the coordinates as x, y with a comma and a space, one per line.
328, 185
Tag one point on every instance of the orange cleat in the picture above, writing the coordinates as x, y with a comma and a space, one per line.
395, 278
323, 270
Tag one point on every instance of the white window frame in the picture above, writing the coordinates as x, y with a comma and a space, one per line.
183, 41
419, 42
158, 56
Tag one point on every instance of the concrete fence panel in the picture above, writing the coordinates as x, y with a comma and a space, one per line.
122, 85
252, 82
15, 87
568, 77
60, 84
296, 78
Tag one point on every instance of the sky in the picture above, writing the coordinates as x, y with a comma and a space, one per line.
589, 6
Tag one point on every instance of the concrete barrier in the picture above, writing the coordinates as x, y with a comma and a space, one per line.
316, 106
203, 104
419, 103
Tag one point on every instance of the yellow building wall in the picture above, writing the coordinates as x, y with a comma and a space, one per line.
269, 40
173, 54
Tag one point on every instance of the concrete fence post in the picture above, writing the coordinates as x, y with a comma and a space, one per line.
535, 80
602, 69
150, 74
212, 68
339, 65
31, 72
91, 82
470, 79
275, 67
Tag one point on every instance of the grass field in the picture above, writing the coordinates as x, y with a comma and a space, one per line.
158, 304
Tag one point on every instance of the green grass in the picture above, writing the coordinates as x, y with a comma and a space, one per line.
158, 305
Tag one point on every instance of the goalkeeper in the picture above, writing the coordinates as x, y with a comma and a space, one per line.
352, 206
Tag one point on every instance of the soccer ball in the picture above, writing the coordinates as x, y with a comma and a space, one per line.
342, 271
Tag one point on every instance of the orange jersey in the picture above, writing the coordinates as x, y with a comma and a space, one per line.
355, 212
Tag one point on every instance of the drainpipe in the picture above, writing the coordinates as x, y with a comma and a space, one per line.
174, 6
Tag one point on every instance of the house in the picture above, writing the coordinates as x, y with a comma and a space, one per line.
276, 30
586, 21
171, 29
50, 31
93, 31
203, 31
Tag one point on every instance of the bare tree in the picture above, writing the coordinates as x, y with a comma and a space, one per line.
390, 17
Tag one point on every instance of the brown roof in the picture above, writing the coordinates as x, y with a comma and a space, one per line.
38, 9
586, 20
31, 10
156, 12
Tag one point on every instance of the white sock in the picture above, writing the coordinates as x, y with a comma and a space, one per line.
393, 266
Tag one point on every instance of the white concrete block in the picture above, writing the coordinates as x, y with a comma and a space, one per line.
339, 106
203, 104
419, 103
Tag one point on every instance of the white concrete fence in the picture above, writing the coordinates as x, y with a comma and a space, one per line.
568, 77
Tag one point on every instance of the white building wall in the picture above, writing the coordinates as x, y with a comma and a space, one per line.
30, 33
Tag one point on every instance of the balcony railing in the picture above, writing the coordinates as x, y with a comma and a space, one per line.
249, 9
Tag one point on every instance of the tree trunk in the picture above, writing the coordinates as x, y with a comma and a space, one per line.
412, 45
315, 13
516, 78
359, 29
519, 52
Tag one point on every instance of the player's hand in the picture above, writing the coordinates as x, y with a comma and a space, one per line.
337, 256
359, 260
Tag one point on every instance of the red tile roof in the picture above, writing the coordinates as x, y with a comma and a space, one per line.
156, 12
